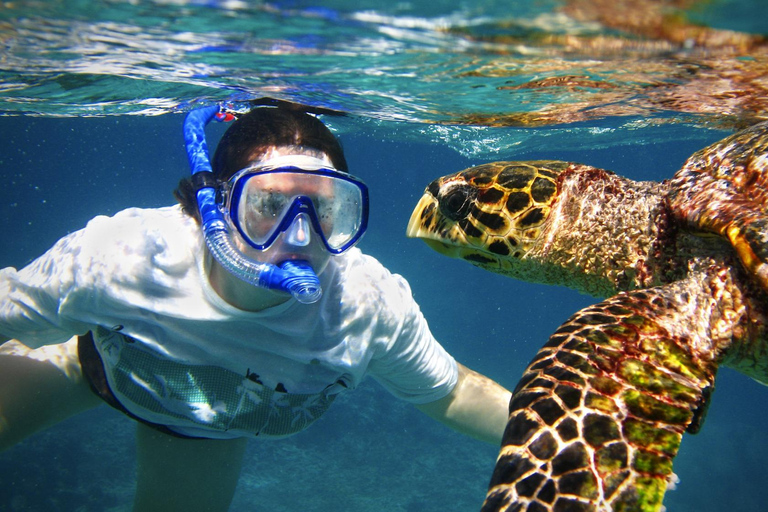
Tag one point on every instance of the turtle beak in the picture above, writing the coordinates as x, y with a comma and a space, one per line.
422, 218
429, 225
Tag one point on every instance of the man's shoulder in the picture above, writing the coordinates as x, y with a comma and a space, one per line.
141, 237
365, 280
358, 266
138, 225
166, 215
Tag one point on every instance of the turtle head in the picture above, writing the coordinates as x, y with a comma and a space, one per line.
490, 215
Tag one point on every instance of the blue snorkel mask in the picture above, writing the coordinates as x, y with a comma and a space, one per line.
296, 277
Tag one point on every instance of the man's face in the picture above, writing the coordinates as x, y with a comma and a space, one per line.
268, 198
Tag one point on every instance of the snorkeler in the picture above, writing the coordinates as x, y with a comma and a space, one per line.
242, 312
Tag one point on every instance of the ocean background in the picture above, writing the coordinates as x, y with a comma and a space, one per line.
91, 106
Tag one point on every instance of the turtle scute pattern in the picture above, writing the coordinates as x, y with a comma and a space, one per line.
598, 416
498, 206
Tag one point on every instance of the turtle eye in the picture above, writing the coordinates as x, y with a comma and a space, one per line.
456, 201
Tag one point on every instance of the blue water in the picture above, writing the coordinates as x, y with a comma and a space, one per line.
60, 166
370, 452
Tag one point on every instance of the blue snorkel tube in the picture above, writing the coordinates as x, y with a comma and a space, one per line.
295, 277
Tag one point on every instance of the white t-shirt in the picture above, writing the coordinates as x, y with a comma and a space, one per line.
177, 354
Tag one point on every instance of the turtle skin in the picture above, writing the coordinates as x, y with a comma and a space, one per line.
597, 417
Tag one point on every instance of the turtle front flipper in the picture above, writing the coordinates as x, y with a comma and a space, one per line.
723, 189
599, 414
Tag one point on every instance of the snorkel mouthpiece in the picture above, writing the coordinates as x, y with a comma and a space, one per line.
295, 277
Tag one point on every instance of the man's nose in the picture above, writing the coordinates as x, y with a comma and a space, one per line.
298, 233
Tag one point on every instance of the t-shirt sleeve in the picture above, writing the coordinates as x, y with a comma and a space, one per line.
412, 366
30, 298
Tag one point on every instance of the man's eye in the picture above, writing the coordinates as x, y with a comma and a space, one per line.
273, 204
323, 205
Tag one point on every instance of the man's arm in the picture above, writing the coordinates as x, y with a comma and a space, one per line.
477, 407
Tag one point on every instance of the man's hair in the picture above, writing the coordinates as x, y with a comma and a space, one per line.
252, 134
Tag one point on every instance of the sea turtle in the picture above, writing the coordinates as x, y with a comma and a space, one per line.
599, 413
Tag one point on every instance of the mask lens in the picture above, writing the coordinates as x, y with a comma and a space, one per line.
266, 204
